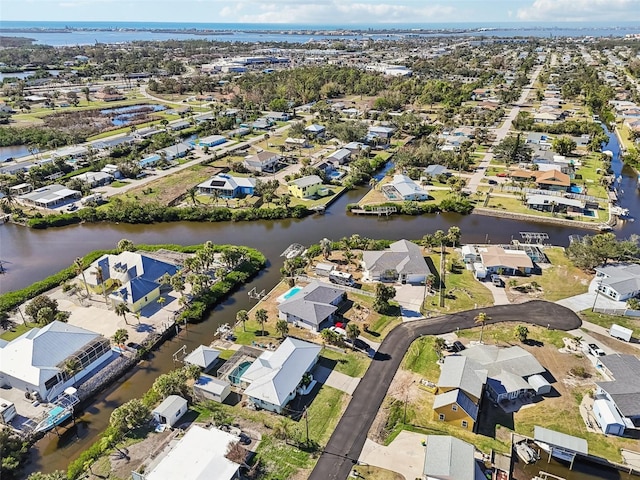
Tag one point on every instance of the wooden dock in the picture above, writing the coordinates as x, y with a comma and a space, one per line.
380, 211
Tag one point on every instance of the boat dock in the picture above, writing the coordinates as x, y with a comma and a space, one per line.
380, 211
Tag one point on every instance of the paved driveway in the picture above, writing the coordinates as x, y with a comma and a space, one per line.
348, 439
404, 455
334, 379
410, 298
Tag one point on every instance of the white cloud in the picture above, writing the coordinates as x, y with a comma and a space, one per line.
580, 10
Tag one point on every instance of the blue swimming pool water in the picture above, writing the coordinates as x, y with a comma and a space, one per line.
575, 189
335, 174
291, 292
237, 373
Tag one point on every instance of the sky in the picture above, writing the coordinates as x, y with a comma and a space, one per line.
323, 12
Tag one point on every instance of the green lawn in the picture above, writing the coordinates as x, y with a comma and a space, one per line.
462, 290
309, 203
607, 320
118, 184
515, 205
324, 413
421, 358
354, 364
503, 334
15, 332
281, 460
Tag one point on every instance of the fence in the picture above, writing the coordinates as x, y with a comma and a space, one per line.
618, 312
535, 191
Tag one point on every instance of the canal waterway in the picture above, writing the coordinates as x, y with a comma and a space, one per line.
34, 254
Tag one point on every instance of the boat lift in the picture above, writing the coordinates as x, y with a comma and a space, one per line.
60, 410
253, 293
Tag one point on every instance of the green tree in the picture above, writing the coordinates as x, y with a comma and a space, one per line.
161, 301
325, 246
56, 475
120, 336
129, 416
172, 383
521, 332
45, 316
72, 366
38, 303
125, 245
261, 318
353, 332
242, 316
481, 319
282, 327
100, 281
439, 344
563, 145
79, 268
513, 150
122, 310
383, 293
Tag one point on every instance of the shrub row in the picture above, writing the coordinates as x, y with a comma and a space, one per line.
457, 205
151, 213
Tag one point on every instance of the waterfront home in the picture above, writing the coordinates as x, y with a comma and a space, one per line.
355, 147
619, 397
204, 357
95, 179
50, 196
264, 161
315, 130
619, 281
402, 262
313, 307
307, 187
135, 277
228, 186
21, 188
240, 132
178, 150
145, 133
497, 259
449, 458
211, 388
553, 180
179, 125
274, 378
36, 361
402, 188
200, 453
77, 151
212, 141
380, 133
546, 203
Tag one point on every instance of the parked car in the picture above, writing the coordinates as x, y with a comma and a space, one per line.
245, 439
496, 280
455, 347
501, 174
595, 350
361, 344
340, 331
492, 182
72, 208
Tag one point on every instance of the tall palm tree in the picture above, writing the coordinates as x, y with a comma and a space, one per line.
161, 301
192, 193
439, 344
353, 332
120, 336
122, 310
72, 366
100, 280
242, 316
261, 318
481, 319
282, 327
79, 268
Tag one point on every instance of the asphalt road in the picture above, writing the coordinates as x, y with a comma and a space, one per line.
345, 445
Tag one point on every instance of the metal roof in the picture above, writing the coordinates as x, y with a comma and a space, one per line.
463, 373
561, 440
450, 458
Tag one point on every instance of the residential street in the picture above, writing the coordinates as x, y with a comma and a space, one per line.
345, 445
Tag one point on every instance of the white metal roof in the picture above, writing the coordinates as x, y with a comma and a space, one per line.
202, 356
170, 405
561, 440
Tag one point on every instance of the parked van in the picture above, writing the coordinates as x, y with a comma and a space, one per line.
622, 333
341, 278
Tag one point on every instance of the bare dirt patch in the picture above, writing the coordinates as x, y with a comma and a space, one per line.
139, 453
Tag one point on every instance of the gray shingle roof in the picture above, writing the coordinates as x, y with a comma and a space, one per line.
402, 256
312, 303
514, 360
622, 278
450, 458
463, 373
625, 389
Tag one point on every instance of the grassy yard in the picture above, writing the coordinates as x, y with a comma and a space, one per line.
280, 459
350, 363
335, 190
379, 325
462, 290
15, 331
368, 472
515, 205
607, 320
503, 334
421, 358
561, 279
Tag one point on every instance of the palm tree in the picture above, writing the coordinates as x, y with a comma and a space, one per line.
261, 318
100, 280
72, 366
481, 319
192, 193
439, 344
282, 327
161, 301
120, 336
77, 264
242, 316
353, 332
121, 311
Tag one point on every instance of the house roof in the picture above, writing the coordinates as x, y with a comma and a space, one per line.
402, 256
313, 303
496, 256
170, 405
306, 181
496, 360
623, 278
211, 384
275, 375
202, 356
135, 289
228, 182
505, 382
463, 373
624, 390
406, 187
459, 397
262, 157
213, 139
435, 170
196, 455
340, 154
449, 458
553, 177
315, 128
562, 440
34, 356
547, 200
48, 194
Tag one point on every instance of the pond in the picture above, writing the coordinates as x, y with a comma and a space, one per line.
122, 116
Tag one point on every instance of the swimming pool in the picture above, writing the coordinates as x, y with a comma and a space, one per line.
575, 189
288, 294
336, 175
237, 373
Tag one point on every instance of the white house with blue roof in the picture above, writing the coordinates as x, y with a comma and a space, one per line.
135, 275
228, 186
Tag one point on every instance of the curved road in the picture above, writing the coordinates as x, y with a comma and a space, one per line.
345, 445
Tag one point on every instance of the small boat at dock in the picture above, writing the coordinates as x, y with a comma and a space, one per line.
526, 453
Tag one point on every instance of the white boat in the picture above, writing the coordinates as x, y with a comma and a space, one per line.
526, 453
556, 452
54, 417
620, 212
294, 250
223, 329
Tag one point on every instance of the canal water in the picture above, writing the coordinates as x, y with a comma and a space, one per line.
34, 254
14, 151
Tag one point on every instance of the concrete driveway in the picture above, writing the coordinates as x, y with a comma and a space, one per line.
405, 455
586, 301
334, 379
499, 293
410, 298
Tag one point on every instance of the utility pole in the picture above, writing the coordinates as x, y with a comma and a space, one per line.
442, 274
593, 308
306, 421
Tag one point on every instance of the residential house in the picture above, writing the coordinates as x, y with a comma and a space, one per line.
77, 151
95, 179
340, 157
212, 141
548, 118
402, 262
134, 275
497, 259
112, 170
449, 458
50, 196
203, 357
402, 188
620, 395
553, 180
150, 161
262, 124
35, 361
274, 377
178, 150
170, 410
546, 203
536, 138
21, 188
108, 96
313, 307
211, 388
240, 132
277, 116
619, 281
307, 187
355, 147
145, 133
264, 161
179, 125
296, 142
435, 170
380, 134
228, 186
315, 130
200, 453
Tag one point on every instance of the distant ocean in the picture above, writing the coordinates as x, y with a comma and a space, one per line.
84, 33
